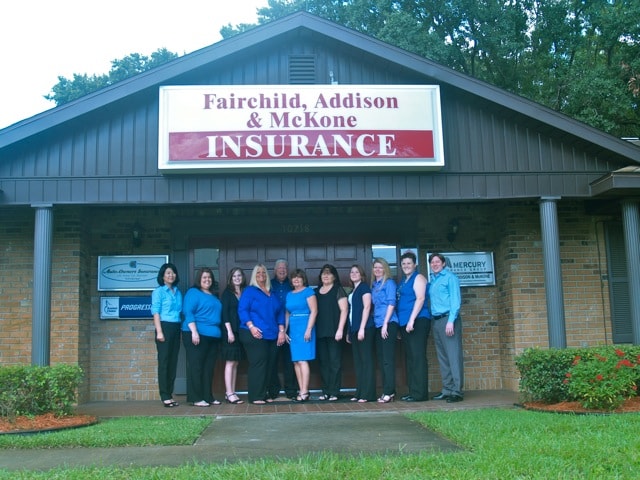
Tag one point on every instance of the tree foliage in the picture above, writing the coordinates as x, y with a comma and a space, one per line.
67, 89
578, 57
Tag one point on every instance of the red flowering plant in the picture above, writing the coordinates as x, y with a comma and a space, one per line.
603, 379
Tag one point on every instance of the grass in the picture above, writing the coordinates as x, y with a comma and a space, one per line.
117, 432
499, 444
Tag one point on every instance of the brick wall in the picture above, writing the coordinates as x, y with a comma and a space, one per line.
16, 290
119, 356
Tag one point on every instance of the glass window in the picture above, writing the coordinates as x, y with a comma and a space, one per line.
207, 257
391, 253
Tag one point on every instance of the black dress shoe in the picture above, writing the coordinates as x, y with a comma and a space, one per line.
441, 396
454, 399
409, 398
404, 398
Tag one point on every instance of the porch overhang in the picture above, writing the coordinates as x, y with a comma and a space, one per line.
622, 183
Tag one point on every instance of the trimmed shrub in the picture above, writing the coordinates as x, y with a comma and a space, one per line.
34, 390
600, 378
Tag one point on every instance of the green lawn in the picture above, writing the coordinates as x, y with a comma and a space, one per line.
500, 444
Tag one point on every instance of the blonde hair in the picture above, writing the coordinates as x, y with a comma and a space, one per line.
253, 280
385, 268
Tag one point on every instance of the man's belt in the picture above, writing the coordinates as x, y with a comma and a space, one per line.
438, 317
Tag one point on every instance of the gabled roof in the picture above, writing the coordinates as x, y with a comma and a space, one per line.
164, 74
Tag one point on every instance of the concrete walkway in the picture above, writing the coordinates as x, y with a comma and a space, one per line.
374, 429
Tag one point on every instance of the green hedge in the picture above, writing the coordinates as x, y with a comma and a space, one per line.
597, 377
34, 390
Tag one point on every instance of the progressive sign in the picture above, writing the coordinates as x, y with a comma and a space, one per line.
299, 127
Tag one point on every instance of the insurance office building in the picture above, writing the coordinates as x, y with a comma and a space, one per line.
305, 140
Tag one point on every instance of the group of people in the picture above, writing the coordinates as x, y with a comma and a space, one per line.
208, 327
281, 324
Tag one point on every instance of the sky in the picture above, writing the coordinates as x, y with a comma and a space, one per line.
41, 40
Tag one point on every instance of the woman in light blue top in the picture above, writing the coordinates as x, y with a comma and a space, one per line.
166, 307
201, 332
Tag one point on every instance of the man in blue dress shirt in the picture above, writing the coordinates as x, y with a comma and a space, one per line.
280, 286
444, 293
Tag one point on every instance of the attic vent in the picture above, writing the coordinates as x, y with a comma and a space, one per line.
302, 69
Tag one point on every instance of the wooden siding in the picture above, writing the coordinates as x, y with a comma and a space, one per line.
110, 156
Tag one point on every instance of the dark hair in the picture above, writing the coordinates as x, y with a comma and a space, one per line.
163, 269
363, 276
230, 278
198, 280
438, 255
299, 273
409, 254
333, 272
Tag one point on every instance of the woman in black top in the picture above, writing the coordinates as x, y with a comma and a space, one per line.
333, 309
232, 350
362, 336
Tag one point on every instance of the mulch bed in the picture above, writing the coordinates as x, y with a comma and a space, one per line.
631, 405
44, 423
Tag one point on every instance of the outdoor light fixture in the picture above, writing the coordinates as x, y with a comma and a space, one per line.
453, 230
136, 234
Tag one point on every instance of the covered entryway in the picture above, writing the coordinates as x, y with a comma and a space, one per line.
310, 257
307, 242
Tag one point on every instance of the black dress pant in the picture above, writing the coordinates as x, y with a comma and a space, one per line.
329, 355
261, 355
283, 363
364, 364
386, 351
168, 358
415, 349
201, 361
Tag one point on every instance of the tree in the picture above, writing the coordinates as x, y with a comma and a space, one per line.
578, 57
67, 90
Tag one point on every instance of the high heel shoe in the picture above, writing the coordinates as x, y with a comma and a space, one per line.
302, 397
233, 398
387, 398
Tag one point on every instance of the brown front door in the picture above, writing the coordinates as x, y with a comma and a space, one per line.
310, 257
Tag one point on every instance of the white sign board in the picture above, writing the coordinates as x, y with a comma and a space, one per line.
129, 272
299, 127
474, 269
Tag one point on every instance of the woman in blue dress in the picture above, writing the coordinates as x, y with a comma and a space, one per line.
301, 312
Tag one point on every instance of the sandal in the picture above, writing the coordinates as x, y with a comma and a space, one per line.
170, 403
302, 397
387, 398
233, 398
323, 397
